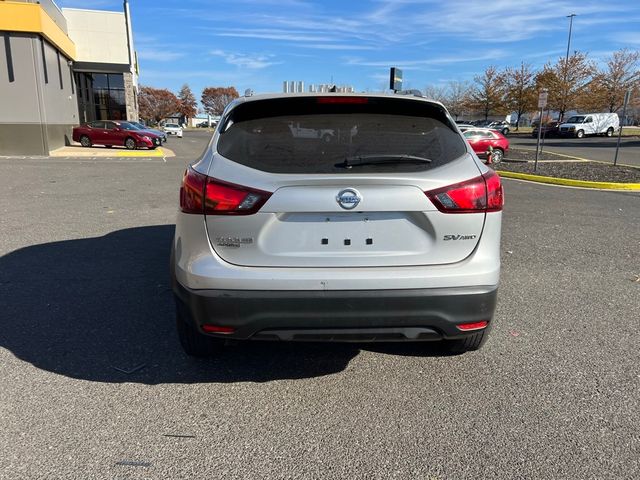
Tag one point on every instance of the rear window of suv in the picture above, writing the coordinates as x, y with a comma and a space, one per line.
317, 134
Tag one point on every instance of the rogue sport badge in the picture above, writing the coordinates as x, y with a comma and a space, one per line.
349, 198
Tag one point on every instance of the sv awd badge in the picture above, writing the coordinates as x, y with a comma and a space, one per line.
458, 237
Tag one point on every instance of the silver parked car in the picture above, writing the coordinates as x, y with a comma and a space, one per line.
390, 231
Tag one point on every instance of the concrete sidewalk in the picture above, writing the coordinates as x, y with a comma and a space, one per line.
79, 152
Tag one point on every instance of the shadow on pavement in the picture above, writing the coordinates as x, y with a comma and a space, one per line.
101, 309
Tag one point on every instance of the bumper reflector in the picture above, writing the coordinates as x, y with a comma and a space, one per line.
466, 327
217, 329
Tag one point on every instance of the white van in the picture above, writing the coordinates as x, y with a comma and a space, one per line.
591, 124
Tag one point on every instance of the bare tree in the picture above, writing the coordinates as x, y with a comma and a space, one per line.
607, 89
566, 81
520, 90
457, 97
215, 99
156, 104
188, 104
436, 92
487, 96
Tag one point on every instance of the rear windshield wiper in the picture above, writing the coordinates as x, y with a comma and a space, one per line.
379, 159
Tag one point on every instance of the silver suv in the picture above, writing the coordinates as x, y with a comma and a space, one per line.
387, 231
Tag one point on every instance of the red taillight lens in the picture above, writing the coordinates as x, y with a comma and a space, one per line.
192, 191
223, 198
351, 100
218, 329
495, 193
202, 194
480, 194
466, 327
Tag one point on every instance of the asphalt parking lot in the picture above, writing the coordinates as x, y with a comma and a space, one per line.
95, 385
601, 149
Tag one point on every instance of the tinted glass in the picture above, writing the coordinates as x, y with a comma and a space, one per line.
577, 119
128, 126
96, 124
100, 80
300, 135
116, 80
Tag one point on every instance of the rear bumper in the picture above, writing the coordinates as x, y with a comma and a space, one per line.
355, 315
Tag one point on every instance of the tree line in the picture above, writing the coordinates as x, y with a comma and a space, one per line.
573, 83
157, 103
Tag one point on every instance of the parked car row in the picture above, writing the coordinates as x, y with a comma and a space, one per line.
131, 135
579, 126
111, 132
500, 126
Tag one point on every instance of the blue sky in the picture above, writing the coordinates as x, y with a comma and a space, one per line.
259, 43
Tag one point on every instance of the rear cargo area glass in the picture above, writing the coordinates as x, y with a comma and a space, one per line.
304, 135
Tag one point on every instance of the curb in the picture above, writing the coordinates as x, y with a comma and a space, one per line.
567, 182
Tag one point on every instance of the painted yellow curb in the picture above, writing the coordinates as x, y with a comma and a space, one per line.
158, 152
570, 182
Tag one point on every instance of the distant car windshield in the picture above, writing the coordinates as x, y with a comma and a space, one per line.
128, 126
576, 119
316, 135
172, 125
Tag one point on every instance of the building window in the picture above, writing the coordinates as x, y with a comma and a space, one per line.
101, 96
7, 51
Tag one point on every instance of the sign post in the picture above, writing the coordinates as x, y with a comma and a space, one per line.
627, 97
542, 103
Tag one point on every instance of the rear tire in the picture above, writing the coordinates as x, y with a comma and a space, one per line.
130, 143
469, 343
497, 156
580, 134
505, 131
85, 141
609, 132
193, 342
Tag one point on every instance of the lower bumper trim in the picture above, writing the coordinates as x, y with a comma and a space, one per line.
354, 315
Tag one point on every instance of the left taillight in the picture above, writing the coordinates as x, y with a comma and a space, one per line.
205, 195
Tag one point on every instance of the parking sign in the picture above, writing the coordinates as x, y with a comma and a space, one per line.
542, 99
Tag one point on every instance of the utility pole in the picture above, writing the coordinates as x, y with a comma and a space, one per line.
566, 64
627, 97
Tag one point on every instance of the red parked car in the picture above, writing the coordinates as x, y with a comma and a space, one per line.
481, 138
111, 132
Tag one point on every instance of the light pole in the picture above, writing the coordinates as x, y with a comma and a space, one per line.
566, 63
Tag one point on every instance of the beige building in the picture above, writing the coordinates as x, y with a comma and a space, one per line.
60, 68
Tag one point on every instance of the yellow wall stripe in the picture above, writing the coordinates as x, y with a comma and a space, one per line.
31, 17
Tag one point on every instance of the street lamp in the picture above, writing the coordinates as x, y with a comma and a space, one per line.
566, 60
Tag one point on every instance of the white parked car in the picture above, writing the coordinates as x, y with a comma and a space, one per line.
591, 124
173, 129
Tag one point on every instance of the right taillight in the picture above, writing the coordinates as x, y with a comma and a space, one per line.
205, 195
480, 194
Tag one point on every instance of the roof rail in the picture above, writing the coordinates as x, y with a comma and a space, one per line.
414, 92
